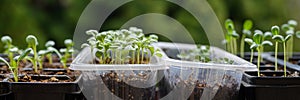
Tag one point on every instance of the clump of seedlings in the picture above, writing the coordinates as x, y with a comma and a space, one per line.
247, 26
202, 54
122, 46
10, 49
257, 43
283, 40
32, 43
15, 63
231, 36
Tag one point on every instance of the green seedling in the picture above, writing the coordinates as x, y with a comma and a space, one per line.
258, 43
266, 35
231, 36
289, 29
280, 38
49, 45
9, 48
67, 52
248, 24
250, 42
14, 68
32, 43
275, 31
122, 46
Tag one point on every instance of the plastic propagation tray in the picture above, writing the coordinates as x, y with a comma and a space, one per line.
196, 80
118, 81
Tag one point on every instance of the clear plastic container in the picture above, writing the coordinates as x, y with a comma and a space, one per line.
196, 80
116, 81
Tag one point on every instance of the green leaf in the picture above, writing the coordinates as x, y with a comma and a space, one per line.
6, 39
229, 24
24, 54
31, 40
3, 60
268, 35
257, 36
84, 45
254, 45
50, 43
99, 53
68, 42
52, 49
266, 43
285, 27
247, 32
249, 41
235, 35
287, 37
289, 32
275, 30
92, 32
158, 54
248, 24
292, 23
278, 38
298, 34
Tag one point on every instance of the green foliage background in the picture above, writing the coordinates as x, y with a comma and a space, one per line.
57, 19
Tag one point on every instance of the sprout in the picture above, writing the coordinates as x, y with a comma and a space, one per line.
248, 24
258, 43
282, 39
49, 52
15, 64
275, 31
250, 42
32, 43
231, 36
289, 29
67, 52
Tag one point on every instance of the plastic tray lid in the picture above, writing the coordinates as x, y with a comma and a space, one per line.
84, 60
240, 64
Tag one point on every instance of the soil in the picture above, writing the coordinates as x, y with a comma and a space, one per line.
124, 91
46, 79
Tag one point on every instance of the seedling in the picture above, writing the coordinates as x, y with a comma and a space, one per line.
122, 46
250, 42
32, 43
289, 29
246, 32
258, 43
14, 67
67, 52
266, 35
282, 39
275, 31
9, 48
231, 36
49, 45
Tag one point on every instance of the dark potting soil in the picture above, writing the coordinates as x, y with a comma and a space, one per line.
45, 79
125, 91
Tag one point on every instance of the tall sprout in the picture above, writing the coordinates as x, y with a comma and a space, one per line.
266, 35
247, 26
289, 29
67, 52
258, 43
48, 45
231, 36
282, 39
250, 42
275, 31
32, 43
7, 41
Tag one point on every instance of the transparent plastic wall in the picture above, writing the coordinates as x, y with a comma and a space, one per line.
205, 81
117, 81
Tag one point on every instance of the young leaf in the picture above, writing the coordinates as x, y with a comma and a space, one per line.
268, 35
50, 43
298, 34
92, 32
266, 43
6, 39
248, 25
289, 32
84, 45
257, 36
234, 34
24, 54
293, 23
287, 37
229, 24
285, 27
275, 30
3, 60
278, 38
31, 40
254, 45
249, 41
68, 42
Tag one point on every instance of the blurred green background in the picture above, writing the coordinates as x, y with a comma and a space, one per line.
57, 19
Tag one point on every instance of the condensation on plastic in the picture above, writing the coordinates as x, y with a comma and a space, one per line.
219, 78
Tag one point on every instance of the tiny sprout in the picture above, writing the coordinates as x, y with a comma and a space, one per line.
67, 52
6, 39
50, 44
32, 43
293, 23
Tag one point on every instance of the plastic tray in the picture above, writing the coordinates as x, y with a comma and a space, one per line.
222, 81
